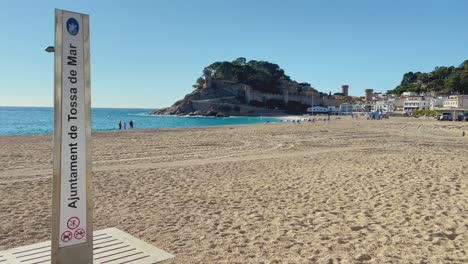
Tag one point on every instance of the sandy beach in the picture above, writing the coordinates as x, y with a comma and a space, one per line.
345, 191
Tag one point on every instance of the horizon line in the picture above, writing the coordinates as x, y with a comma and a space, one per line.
103, 107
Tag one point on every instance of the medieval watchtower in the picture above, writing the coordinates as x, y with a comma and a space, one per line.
344, 89
368, 94
207, 73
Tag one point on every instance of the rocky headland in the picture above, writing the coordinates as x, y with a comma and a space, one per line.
241, 88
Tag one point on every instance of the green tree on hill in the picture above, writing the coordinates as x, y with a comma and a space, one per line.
260, 75
441, 79
199, 84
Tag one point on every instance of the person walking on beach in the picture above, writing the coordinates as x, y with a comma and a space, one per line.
120, 125
125, 125
131, 123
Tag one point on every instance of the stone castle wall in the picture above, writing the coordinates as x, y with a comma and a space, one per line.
311, 100
246, 110
224, 88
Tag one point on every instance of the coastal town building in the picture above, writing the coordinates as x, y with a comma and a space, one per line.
456, 101
368, 105
414, 103
437, 102
409, 94
347, 108
333, 109
383, 106
398, 104
318, 110
322, 109
378, 96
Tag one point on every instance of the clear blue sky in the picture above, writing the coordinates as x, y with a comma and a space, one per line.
148, 53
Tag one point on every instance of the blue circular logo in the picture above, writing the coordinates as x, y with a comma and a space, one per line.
72, 26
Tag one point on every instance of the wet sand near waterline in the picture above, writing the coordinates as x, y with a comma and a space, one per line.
349, 191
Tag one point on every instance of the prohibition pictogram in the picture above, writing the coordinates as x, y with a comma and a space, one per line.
66, 236
79, 233
73, 222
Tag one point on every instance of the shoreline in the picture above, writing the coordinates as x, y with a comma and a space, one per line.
282, 119
220, 125
143, 130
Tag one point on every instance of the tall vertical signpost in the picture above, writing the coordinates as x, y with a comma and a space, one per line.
72, 229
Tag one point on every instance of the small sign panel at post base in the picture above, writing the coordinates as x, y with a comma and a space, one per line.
72, 198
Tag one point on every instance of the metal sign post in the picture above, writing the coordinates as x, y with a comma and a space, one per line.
72, 229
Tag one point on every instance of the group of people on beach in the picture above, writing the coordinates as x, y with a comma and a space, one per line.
378, 116
300, 120
125, 124
308, 120
328, 118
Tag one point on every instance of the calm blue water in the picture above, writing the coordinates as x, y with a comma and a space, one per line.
39, 120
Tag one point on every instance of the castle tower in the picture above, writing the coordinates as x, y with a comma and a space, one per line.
369, 93
286, 96
247, 93
207, 74
344, 89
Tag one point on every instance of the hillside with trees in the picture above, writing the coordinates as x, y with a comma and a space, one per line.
447, 80
242, 87
263, 76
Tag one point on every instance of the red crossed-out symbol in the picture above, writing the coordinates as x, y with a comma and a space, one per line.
79, 233
73, 222
66, 236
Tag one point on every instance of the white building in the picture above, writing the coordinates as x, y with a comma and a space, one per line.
332, 108
408, 94
437, 102
414, 103
383, 106
350, 107
456, 101
398, 104
318, 109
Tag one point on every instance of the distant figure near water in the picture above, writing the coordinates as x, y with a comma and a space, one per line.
125, 125
131, 123
120, 124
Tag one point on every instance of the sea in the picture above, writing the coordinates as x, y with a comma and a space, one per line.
39, 120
